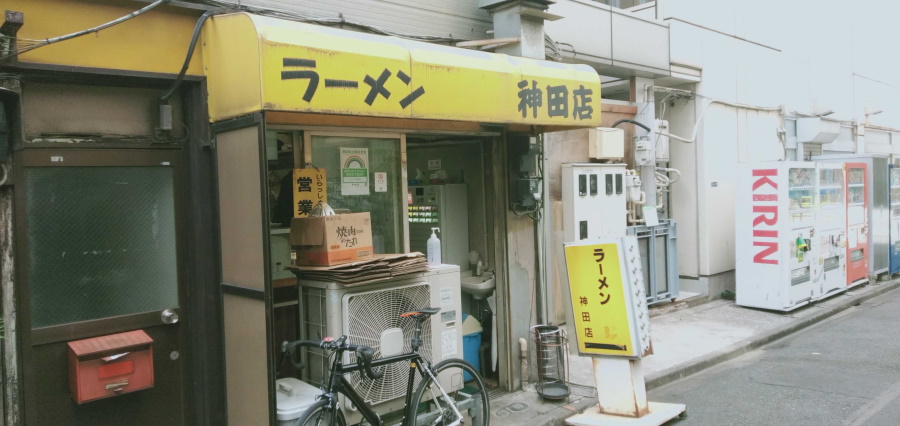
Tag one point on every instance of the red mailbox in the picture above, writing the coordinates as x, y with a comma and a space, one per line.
106, 366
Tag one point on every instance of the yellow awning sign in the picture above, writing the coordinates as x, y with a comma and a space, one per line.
608, 309
259, 63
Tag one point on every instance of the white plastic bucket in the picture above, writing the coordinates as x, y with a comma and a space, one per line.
292, 398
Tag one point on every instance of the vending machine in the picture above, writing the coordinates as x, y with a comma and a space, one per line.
895, 218
831, 229
777, 253
444, 207
868, 213
857, 224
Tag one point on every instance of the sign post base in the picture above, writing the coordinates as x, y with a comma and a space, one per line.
660, 413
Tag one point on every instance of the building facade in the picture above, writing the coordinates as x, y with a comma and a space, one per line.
209, 147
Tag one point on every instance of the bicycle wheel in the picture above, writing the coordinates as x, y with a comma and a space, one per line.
465, 392
319, 414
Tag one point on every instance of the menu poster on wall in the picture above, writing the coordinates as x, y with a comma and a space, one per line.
354, 171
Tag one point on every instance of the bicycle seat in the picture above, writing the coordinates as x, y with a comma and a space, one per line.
421, 313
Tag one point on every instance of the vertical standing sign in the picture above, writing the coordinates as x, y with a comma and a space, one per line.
354, 171
613, 327
608, 309
309, 190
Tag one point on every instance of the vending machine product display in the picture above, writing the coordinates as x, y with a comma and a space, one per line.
895, 218
831, 226
857, 224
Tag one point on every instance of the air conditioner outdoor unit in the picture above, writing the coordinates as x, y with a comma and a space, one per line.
817, 130
370, 315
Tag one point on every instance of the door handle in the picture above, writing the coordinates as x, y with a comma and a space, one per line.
169, 316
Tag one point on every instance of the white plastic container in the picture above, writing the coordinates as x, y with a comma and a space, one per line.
434, 248
292, 398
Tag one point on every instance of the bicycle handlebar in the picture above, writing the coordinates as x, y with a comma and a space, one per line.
364, 354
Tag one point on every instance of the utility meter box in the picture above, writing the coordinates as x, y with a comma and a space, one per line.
606, 143
593, 198
106, 366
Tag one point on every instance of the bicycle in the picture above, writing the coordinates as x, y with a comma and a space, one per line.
465, 402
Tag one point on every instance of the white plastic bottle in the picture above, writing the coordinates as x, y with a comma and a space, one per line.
434, 248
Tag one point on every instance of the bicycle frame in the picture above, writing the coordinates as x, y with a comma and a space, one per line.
337, 382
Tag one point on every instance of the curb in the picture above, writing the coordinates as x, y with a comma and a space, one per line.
697, 365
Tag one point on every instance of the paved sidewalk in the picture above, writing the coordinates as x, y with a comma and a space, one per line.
684, 342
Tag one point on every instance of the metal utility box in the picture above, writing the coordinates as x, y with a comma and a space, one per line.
593, 198
876, 210
606, 143
895, 219
445, 207
775, 235
106, 366
280, 253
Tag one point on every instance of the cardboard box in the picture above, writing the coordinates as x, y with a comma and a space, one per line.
332, 240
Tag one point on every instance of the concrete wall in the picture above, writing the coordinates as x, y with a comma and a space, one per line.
810, 56
9, 361
64, 111
571, 147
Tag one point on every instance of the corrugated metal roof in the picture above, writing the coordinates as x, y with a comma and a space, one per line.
460, 18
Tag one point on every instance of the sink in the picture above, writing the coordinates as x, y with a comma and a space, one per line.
478, 287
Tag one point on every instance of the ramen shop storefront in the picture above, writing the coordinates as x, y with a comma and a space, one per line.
285, 95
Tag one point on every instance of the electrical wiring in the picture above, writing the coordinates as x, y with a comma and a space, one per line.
661, 175
551, 45
636, 123
5, 174
25, 45
686, 93
187, 60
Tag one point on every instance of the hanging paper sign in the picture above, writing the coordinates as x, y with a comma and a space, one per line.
309, 190
380, 182
354, 171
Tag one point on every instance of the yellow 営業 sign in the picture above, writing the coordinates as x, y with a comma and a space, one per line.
600, 304
309, 190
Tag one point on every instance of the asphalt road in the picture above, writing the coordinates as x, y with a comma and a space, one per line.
842, 371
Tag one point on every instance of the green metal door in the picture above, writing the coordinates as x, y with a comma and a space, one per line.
99, 252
